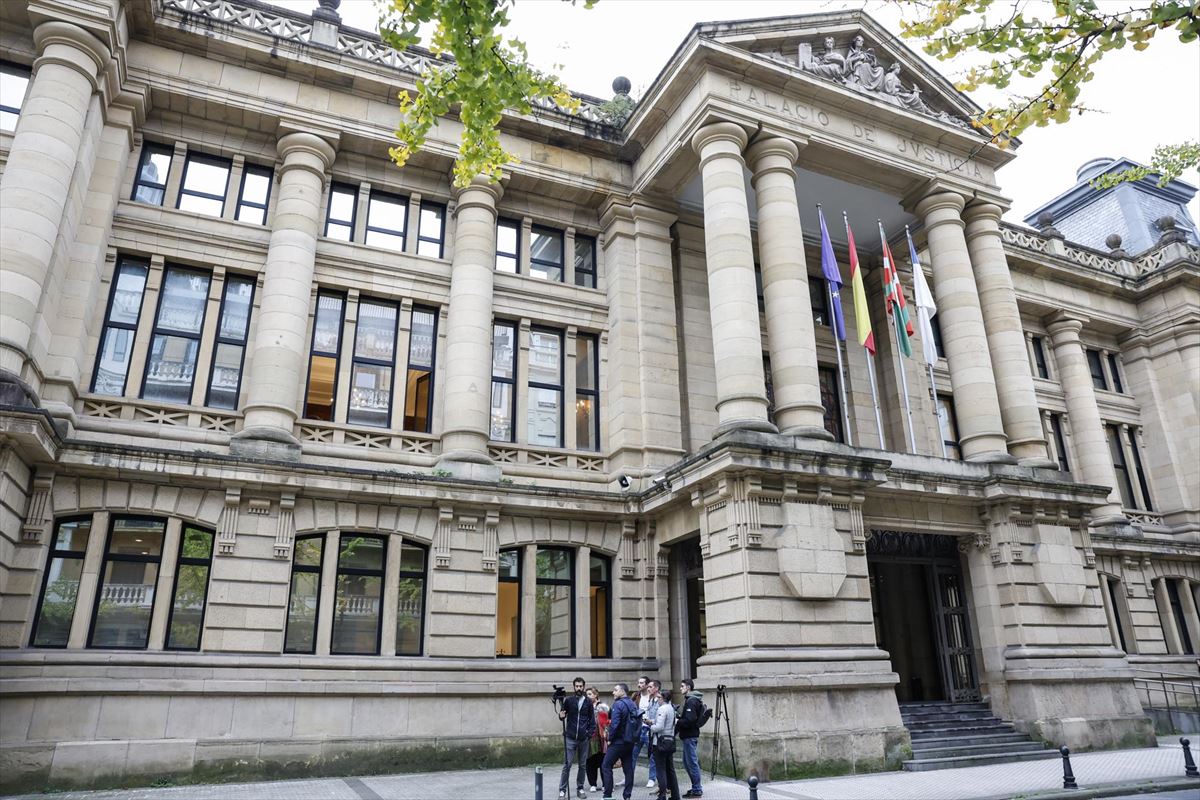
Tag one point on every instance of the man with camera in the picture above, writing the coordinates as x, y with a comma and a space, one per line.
579, 723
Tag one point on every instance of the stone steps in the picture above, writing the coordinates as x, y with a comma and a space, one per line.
949, 735
960, 730
925, 765
954, 751
934, 742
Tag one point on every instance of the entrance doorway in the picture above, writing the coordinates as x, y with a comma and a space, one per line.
921, 618
691, 568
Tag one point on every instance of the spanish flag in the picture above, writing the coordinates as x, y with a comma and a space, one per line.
862, 314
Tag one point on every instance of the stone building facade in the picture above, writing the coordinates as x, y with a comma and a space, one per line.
305, 458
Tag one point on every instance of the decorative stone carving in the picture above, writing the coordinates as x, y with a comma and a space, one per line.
649, 551
1058, 566
628, 541
228, 524
664, 562
40, 512
285, 532
812, 555
859, 69
490, 541
441, 537
619, 109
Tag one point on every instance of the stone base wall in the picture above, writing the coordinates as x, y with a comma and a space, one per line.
1094, 713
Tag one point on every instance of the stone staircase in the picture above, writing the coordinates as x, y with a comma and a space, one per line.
948, 735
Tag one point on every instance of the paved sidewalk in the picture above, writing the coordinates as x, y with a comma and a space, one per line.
1024, 779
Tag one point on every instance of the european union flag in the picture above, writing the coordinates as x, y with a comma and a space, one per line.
833, 277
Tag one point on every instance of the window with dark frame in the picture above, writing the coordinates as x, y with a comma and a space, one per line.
387, 220
150, 185
508, 246
125, 596
60, 583
175, 337
758, 288
14, 83
935, 325
585, 261
600, 605
304, 594
769, 386
508, 604
504, 373
831, 400
120, 327
410, 611
544, 422
554, 592
1143, 481
948, 425
546, 253
1112, 590
373, 364
185, 625
340, 212
1120, 467
1039, 357
205, 184
1096, 368
587, 391
1185, 638
1060, 442
422, 351
229, 350
254, 195
1117, 384
818, 299
431, 230
321, 391
358, 595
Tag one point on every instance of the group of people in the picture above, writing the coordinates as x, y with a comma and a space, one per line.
597, 736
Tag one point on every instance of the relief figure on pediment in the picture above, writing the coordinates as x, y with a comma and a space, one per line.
862, 68
829, 64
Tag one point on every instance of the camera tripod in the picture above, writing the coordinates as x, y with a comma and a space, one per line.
721, 712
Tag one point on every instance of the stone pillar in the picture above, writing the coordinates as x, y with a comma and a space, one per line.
280, 344
1166, 617
1005, 336
468, 361
981, 432
1093, 461
798, 408
36, 182
733, 299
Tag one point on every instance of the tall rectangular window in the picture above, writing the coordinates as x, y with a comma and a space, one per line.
1114, 370
410, 612
186, 623
229, 351
555, 598
60, 583
1060, 442
508, 604
125, 598
769, 386
504, 371
150, 186
818, 300
304, 597
508, 246
587, 392
935, 325
120, 327
948, 425
357, 603
422, 347
374, 362
545, 417
178, 325
431, 230
546, 254
1110, 588
339, 215
323, 361
254, 195
387, 220
585, 261
600, 610
1120, 467
1185, 638
1039, 356
205, 183
831, 399
1143, 481
1096, 368
14, 80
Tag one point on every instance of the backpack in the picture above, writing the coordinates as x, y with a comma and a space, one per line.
705, 715
633, 723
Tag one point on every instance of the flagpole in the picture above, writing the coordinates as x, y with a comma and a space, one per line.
924, 319
870, 362
912, 438
936, 411
837, 346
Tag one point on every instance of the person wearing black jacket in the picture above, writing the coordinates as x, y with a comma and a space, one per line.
579, 723
687, 729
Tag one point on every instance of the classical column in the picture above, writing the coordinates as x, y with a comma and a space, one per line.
981, 431
1093, 461
280, 344
732, 296
467, 395
1005, 336
798, 408
37, 179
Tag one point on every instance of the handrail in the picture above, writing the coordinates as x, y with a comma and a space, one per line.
1176, 683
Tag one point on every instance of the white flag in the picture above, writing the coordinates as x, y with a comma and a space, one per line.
926, 307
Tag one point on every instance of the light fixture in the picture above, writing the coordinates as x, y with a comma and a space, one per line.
623, 480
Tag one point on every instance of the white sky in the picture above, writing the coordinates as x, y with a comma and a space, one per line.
1143, 99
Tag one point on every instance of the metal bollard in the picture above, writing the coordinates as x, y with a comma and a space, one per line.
537, 783
1189, 766
753, 787
1068, 775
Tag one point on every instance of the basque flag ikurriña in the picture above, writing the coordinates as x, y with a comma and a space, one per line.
833, 277
893, 295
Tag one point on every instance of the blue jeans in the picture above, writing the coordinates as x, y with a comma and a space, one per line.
691, 761
644, 741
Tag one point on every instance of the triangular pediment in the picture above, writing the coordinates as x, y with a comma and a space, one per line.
850, 50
